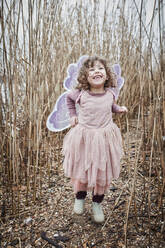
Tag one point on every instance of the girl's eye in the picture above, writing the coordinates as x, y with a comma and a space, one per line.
91, 69
101, 68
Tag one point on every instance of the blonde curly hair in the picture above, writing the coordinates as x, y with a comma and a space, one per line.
83, 73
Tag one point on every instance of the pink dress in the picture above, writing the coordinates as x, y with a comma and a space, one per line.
93, 148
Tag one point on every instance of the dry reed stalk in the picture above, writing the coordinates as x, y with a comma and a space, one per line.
149, 191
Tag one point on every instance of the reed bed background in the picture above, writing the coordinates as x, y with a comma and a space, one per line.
39, 39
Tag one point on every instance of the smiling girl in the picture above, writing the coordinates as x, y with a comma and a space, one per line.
93, 147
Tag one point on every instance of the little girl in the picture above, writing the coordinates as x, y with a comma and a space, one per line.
93, 147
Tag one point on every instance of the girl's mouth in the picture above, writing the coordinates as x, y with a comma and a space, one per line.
97, 77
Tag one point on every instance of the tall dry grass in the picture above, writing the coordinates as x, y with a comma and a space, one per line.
38, 41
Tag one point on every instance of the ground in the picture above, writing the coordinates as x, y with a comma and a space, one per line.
52, 213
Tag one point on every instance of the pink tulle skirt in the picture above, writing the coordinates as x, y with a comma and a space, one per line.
92, 157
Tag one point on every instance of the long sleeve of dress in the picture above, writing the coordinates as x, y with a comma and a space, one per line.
71, 102
116, 108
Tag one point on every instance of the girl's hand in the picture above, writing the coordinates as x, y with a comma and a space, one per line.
123, 109
73, 121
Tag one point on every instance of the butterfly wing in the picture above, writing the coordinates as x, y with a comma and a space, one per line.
120, 81
72, 72
81, 60
59, 118
71, 79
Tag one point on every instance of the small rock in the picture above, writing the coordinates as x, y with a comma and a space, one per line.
14, 242
28, 246
28, 220
56, 235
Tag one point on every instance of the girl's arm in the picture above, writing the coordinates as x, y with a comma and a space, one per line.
71, 102
118, 109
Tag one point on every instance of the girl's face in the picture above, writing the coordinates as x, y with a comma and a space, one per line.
97, 75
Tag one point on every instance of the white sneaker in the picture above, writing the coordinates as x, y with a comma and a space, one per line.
98, 214
79, 206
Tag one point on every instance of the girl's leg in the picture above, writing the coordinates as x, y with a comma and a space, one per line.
78, 186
